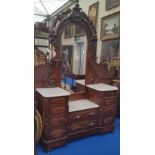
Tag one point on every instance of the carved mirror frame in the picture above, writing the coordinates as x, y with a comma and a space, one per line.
78, 17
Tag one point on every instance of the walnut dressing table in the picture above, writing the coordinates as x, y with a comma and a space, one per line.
89, 111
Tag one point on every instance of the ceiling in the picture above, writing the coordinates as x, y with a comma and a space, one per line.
43, 8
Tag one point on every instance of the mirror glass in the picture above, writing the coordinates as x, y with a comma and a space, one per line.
73, 58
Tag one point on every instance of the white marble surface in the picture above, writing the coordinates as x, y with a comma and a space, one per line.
52, 92
81, 105
102, 87
82, 82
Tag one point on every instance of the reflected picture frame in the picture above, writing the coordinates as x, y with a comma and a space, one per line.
78, 31
68, 32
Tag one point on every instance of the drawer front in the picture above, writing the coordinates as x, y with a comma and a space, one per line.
82, 126
58, 121
58, 133
108, 121
57, 102
109, 101
57, 110
84, 115
109, 93
108, 111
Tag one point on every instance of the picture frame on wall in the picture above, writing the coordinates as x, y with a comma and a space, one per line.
78, 31
110, 4
68, 32
110, 26
110, 48
93, 13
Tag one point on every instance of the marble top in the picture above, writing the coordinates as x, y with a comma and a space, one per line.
81, 105
82, 82
52, 92
102, 87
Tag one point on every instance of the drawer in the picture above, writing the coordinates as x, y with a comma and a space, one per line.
57, 110
108, 111
108, 121
57, 102
109, 93
109, 101
75, 127
84, 115
58, 133
58, 121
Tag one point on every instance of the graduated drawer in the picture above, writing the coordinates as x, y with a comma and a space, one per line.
108, 101
58, 121
109, 93
57, 133
108, 121
53, 111
83, 115
58, 101
85, 125
108, 111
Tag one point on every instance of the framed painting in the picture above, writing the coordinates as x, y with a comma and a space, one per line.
110, 27
68, 32
78, 31
110, 48
112, 4
93, 12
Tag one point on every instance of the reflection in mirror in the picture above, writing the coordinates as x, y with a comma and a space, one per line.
73, 58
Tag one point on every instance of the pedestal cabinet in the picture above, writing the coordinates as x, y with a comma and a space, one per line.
53, 105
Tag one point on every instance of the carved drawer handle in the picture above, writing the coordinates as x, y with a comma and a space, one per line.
77, 117
91, 114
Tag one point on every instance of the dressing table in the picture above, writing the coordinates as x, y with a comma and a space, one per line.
71, 115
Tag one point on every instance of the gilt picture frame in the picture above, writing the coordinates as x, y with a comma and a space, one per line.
93, 13
110, 27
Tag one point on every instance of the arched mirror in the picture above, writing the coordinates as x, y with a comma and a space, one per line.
73, 40
73, 57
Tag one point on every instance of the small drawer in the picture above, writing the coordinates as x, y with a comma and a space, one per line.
108, 111
82, 126
54, 102
109, 101
57, 110
58, 121
108, 121
58, 133
109, 93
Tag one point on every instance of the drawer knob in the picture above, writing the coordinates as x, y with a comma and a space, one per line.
91, 114
91, 124
77, 117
